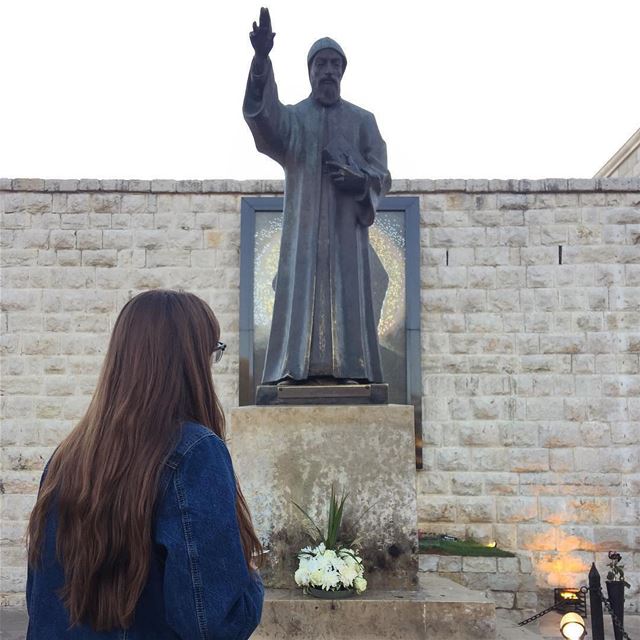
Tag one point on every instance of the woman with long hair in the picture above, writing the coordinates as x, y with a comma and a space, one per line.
140, 530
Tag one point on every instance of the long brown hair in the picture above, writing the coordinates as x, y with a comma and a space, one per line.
103, 479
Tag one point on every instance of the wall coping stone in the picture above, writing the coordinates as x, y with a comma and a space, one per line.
548, 185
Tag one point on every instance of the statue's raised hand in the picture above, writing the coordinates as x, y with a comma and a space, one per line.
262, 36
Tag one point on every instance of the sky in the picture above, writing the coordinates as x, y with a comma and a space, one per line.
460, 88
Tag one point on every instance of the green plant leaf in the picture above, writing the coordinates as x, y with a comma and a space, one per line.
336, 509
313, 526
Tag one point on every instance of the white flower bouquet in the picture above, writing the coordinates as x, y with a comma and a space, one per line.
332, 566
330, 570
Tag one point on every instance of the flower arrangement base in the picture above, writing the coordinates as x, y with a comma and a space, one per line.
331, 595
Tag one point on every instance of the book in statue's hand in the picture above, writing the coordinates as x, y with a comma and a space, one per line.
340, 151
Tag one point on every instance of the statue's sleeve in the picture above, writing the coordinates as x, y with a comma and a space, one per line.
268, 119
374, 152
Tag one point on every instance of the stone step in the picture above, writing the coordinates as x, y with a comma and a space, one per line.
440, 609
508, 629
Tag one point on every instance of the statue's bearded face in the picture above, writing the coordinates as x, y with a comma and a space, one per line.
325, 74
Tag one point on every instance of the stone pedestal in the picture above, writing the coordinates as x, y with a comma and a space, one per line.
295, 453
438, 610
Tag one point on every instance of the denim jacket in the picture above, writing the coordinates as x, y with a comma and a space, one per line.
199, 587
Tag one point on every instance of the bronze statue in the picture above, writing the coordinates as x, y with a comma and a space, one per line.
324, 323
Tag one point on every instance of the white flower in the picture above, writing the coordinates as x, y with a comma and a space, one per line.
320, 548
301, 577
321, 562
317, 576
330, 579
330, 554
347, 574
338, 564
360, 585
348, 556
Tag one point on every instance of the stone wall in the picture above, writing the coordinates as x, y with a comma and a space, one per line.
531, 367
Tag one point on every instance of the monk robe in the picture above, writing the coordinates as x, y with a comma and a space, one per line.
324, 322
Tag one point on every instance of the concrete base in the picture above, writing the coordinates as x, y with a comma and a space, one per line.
439, 610
295, 453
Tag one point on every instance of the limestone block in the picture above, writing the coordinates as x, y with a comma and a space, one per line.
628, 363
459, 255
559, 434
134, 203
492, 256
477, 580
449, 564
543, 299
140, 221
117, 239
497, 484
503, 599
561, 460
436, 509
429, 562
475, 509
514, 236
607, 409
621, 386
89, 184
105, 202
612, 460
625, 510
606, 363
163, 186
452, 458
511, 277
182, 239
545, 408
466, 484
164, 258
479, 564
439, 300
178, 219
522, 460
285, 454
482, 277
68, 258
621, 215
503, 300
434, 482
505, 535
100, 258
539, 255
540, 276
488, 459
485, 322
562, 343
517, 509
625, 433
